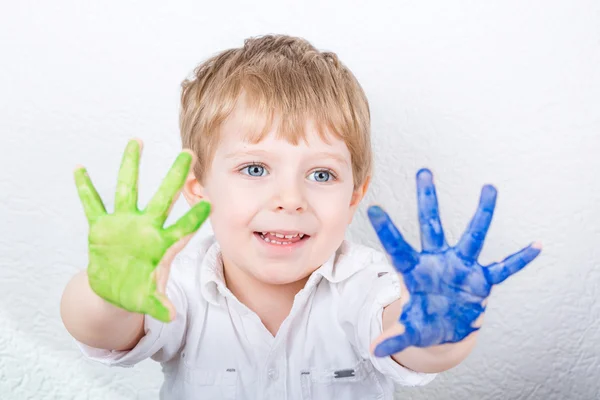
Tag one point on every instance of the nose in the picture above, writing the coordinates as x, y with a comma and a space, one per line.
290, 197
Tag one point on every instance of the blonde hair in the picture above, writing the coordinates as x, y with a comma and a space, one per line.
281, 75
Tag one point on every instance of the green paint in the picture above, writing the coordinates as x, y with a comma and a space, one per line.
126, 247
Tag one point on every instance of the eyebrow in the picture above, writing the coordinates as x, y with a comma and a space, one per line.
237, 154
335, 156
262, 153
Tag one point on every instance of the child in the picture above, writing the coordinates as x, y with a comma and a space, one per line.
276, 304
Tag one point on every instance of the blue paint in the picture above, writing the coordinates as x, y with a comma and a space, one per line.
446, 284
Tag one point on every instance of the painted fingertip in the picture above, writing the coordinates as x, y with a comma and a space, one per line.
204, 206
536, 245
189, 151
489, 189
424, 172
380, 351
80, 172
186, 156
375, 211
133, 142
138, 141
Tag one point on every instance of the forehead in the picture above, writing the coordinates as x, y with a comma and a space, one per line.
243, 125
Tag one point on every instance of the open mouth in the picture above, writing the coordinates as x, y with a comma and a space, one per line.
281, 239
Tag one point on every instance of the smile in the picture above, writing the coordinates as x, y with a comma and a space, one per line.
281, 239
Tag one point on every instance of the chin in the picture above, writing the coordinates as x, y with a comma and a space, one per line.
276, 277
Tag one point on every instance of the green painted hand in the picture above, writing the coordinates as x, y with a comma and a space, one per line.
130, 251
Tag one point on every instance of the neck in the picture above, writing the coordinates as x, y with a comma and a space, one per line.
272, 303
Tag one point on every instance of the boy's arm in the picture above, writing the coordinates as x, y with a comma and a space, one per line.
95, 322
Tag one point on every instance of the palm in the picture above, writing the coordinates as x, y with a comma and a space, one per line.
126, 247
123, 253
446, 296
447, 285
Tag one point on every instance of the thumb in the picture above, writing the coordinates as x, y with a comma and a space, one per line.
391, 316
166, 303
395, 330
161, 273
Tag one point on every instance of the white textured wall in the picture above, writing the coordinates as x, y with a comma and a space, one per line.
506, 92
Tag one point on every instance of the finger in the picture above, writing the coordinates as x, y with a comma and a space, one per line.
403, 255
498, 272
471, 242
160, 307
432, 233
126, 196
189, 223
161, 273
160, 204
393, 345
92, 203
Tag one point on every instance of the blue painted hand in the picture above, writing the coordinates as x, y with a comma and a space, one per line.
447, 286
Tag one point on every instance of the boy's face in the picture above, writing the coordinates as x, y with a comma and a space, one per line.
303, 191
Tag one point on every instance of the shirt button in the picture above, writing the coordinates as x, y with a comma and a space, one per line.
272, 374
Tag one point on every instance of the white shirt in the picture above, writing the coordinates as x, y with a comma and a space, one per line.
217, 348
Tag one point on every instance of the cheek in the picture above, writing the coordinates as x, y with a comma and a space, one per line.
232, 215
335, 223
232, 209
333, 211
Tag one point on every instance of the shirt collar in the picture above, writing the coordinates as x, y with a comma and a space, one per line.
347, 260
212, 280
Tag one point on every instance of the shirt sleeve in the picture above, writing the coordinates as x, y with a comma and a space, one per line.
364, 297
160, 342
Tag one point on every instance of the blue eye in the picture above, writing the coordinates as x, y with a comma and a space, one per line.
322, 175
254, 170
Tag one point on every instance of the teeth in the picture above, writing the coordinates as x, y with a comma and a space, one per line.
266, 239
282, 236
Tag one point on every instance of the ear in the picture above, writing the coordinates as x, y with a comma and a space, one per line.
357, 196
193, 190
